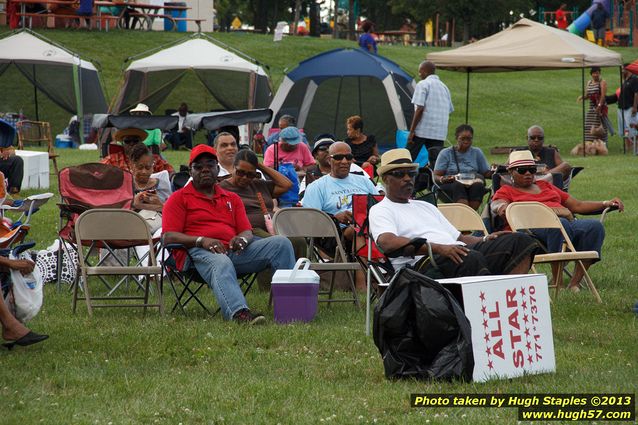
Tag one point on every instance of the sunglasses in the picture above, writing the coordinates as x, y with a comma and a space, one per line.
399, 174
199, 166
130, 140
340, 156
536, 137
322, 148
243, 173
525, 170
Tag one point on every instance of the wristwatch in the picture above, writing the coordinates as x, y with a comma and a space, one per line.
198, 241
244, 239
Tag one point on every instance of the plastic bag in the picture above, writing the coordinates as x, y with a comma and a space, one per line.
291, 197
26, 290
421, 331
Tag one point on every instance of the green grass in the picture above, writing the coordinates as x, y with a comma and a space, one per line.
122, 368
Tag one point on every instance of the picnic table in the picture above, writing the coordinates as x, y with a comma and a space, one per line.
146, 12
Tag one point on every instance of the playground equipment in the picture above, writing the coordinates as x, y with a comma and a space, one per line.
622, 21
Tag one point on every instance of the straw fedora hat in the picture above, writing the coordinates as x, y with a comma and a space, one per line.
141, 108
521, 159
396, 158
126, 132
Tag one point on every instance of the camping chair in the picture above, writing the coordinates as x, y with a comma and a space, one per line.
37, 131
312, 224
84, 187
463, 218
190, 282
109, 229
534, 215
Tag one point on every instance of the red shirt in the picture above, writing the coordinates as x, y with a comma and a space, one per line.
549, 195
561, 19
191, 212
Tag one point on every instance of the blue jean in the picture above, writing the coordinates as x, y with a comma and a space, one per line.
220, 270
586, 235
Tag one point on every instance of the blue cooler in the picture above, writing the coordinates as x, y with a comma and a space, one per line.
63, 141
181, 25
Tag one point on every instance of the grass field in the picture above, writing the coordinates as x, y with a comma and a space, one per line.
119, 367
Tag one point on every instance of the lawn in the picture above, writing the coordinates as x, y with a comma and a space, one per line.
121, 367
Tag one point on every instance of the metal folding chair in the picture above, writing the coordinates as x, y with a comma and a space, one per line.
112, 229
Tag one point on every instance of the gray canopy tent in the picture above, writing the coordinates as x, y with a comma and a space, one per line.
234, 80
67, 80
526, 46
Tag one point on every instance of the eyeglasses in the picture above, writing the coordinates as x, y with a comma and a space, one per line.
536, 137
399, 174
199, 166
525, 170
244, 173
340, 156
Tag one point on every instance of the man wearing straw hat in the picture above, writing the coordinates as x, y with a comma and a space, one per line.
414, 233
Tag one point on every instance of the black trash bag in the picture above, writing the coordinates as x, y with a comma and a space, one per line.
421, 331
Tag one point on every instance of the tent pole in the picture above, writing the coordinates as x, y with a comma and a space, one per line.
583, 107
35, 95
334, 128
78, 100
622, 136
467, 97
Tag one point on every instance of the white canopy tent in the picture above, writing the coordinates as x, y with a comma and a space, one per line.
69, 81
526, 46
232, 78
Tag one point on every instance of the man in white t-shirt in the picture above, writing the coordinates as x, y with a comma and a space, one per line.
183, 135
408, 230
332, 193
432, 108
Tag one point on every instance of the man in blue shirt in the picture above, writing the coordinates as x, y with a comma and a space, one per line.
332, 193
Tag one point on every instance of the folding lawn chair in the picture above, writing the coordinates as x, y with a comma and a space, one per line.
534, 215
186, 284
84, 187
110, 229
313, 224
463, 217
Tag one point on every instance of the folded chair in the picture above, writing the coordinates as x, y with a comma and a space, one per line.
312, 224
187, 284
111, 229
534, 215
84, 187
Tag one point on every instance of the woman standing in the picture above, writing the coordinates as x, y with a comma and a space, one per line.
364, 147
461, 170
596, 115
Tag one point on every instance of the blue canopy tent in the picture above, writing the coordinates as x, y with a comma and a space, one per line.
326, 89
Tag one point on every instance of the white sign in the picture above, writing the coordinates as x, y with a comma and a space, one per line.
511, 324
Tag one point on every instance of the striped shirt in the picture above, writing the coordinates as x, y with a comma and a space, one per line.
435, 97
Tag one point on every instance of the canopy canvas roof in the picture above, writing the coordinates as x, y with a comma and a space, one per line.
230, 77
326, 89
69, 81
526, 45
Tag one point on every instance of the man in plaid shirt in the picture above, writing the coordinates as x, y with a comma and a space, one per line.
432, 109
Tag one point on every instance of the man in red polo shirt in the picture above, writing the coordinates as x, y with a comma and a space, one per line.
212, 223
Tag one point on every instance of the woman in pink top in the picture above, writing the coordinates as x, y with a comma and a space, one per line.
290, 149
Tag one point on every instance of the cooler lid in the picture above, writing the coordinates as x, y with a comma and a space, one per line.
296, 275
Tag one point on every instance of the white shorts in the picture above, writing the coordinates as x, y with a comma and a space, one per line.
630, 122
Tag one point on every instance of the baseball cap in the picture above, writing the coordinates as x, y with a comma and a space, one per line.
201, 150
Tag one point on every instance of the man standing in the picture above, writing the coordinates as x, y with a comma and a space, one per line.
333, 193
183, 135
409, 230
212, 224
561, 17
628, 106
432, 108
598, 19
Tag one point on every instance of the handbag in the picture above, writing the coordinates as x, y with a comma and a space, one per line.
153, 219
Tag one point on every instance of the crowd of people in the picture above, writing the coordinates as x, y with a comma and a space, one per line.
222, 216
